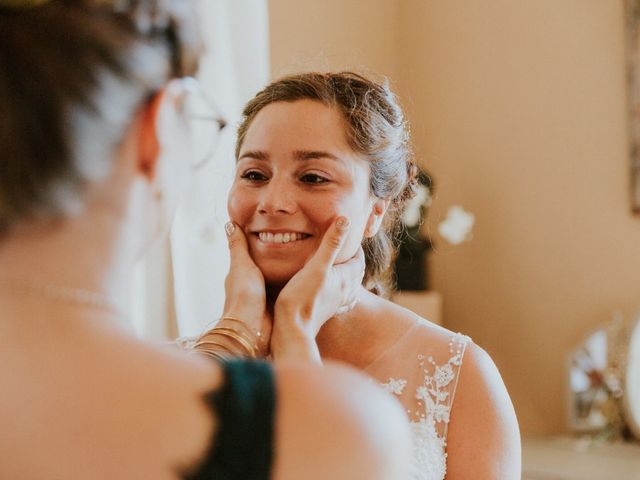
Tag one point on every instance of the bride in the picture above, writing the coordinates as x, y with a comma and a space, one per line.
311, 148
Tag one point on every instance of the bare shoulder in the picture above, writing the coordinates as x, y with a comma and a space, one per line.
171, 385
111, 403
482, 415
356, 430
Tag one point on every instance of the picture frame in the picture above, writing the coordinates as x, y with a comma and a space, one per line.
632, 33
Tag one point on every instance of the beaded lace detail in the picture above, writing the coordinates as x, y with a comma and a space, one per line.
429, 408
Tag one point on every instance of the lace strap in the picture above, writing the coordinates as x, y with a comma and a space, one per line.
440, 383
457, 347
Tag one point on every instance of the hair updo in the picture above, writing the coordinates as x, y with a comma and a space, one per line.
377, 130
73, 75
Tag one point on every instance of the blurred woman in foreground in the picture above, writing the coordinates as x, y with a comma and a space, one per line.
94, 134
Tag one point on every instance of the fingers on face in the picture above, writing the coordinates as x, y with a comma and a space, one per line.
332, 242
235, 237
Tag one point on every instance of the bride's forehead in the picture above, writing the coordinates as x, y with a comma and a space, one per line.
308, 115
289, 126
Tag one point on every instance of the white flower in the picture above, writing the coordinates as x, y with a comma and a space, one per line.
411, 214
456, 228
441, 396
395, 386
441, 413
443, 376
422, 393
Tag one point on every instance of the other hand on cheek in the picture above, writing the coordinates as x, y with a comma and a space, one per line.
319, 291
245, 294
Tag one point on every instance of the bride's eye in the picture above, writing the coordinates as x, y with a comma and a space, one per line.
314, 179
253, 176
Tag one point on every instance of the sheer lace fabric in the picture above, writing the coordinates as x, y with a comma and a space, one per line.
422, 371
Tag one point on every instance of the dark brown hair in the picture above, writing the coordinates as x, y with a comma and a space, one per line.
377, 130
73, 74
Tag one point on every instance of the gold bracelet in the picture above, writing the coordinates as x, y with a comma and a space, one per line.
216, 353
257, 334
248, 338
246, 349
238, 336
252, 350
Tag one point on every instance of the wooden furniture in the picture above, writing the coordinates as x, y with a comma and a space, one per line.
427, 304
566, 458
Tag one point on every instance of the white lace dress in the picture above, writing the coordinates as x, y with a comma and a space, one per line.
422, 370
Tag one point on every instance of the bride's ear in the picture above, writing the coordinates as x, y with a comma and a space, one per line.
378, 209
153, 114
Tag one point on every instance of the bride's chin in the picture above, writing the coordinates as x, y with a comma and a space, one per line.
278, 273
275, 281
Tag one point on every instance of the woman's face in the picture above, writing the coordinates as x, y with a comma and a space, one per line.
295, 174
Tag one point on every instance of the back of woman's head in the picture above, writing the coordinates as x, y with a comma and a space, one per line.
74, 73
377, 130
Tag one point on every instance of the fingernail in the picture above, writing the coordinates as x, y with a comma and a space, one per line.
342, 223
229, 227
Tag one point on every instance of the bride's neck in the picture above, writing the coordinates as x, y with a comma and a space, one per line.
351, 337
354, 337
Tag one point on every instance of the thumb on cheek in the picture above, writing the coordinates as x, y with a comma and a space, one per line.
235, 240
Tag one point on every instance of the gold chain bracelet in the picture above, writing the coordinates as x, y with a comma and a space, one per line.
250, 347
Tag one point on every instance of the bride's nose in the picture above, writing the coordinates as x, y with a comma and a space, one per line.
278, 196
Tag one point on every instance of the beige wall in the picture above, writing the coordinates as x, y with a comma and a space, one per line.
332, 35
518, 111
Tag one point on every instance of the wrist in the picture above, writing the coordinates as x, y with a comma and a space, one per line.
292, 335
253, 317
293, 313
294, 346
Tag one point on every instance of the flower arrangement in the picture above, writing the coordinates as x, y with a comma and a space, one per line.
456, 228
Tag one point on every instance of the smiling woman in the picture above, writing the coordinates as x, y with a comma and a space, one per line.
374, 162
296, 173
313, 147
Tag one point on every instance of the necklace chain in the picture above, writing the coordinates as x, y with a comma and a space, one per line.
58, 293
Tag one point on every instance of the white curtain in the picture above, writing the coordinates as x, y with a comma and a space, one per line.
179, 287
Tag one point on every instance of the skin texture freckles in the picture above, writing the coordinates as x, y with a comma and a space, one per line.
295, 174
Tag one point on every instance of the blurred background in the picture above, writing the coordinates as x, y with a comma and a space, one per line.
519, 112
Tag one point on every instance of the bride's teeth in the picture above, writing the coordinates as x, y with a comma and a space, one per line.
269, 237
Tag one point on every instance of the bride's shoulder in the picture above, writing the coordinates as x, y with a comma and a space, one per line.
443, 344
479, 372
483, 415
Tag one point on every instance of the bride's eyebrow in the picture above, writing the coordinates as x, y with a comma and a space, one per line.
254, 154
298, 155
313, 154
